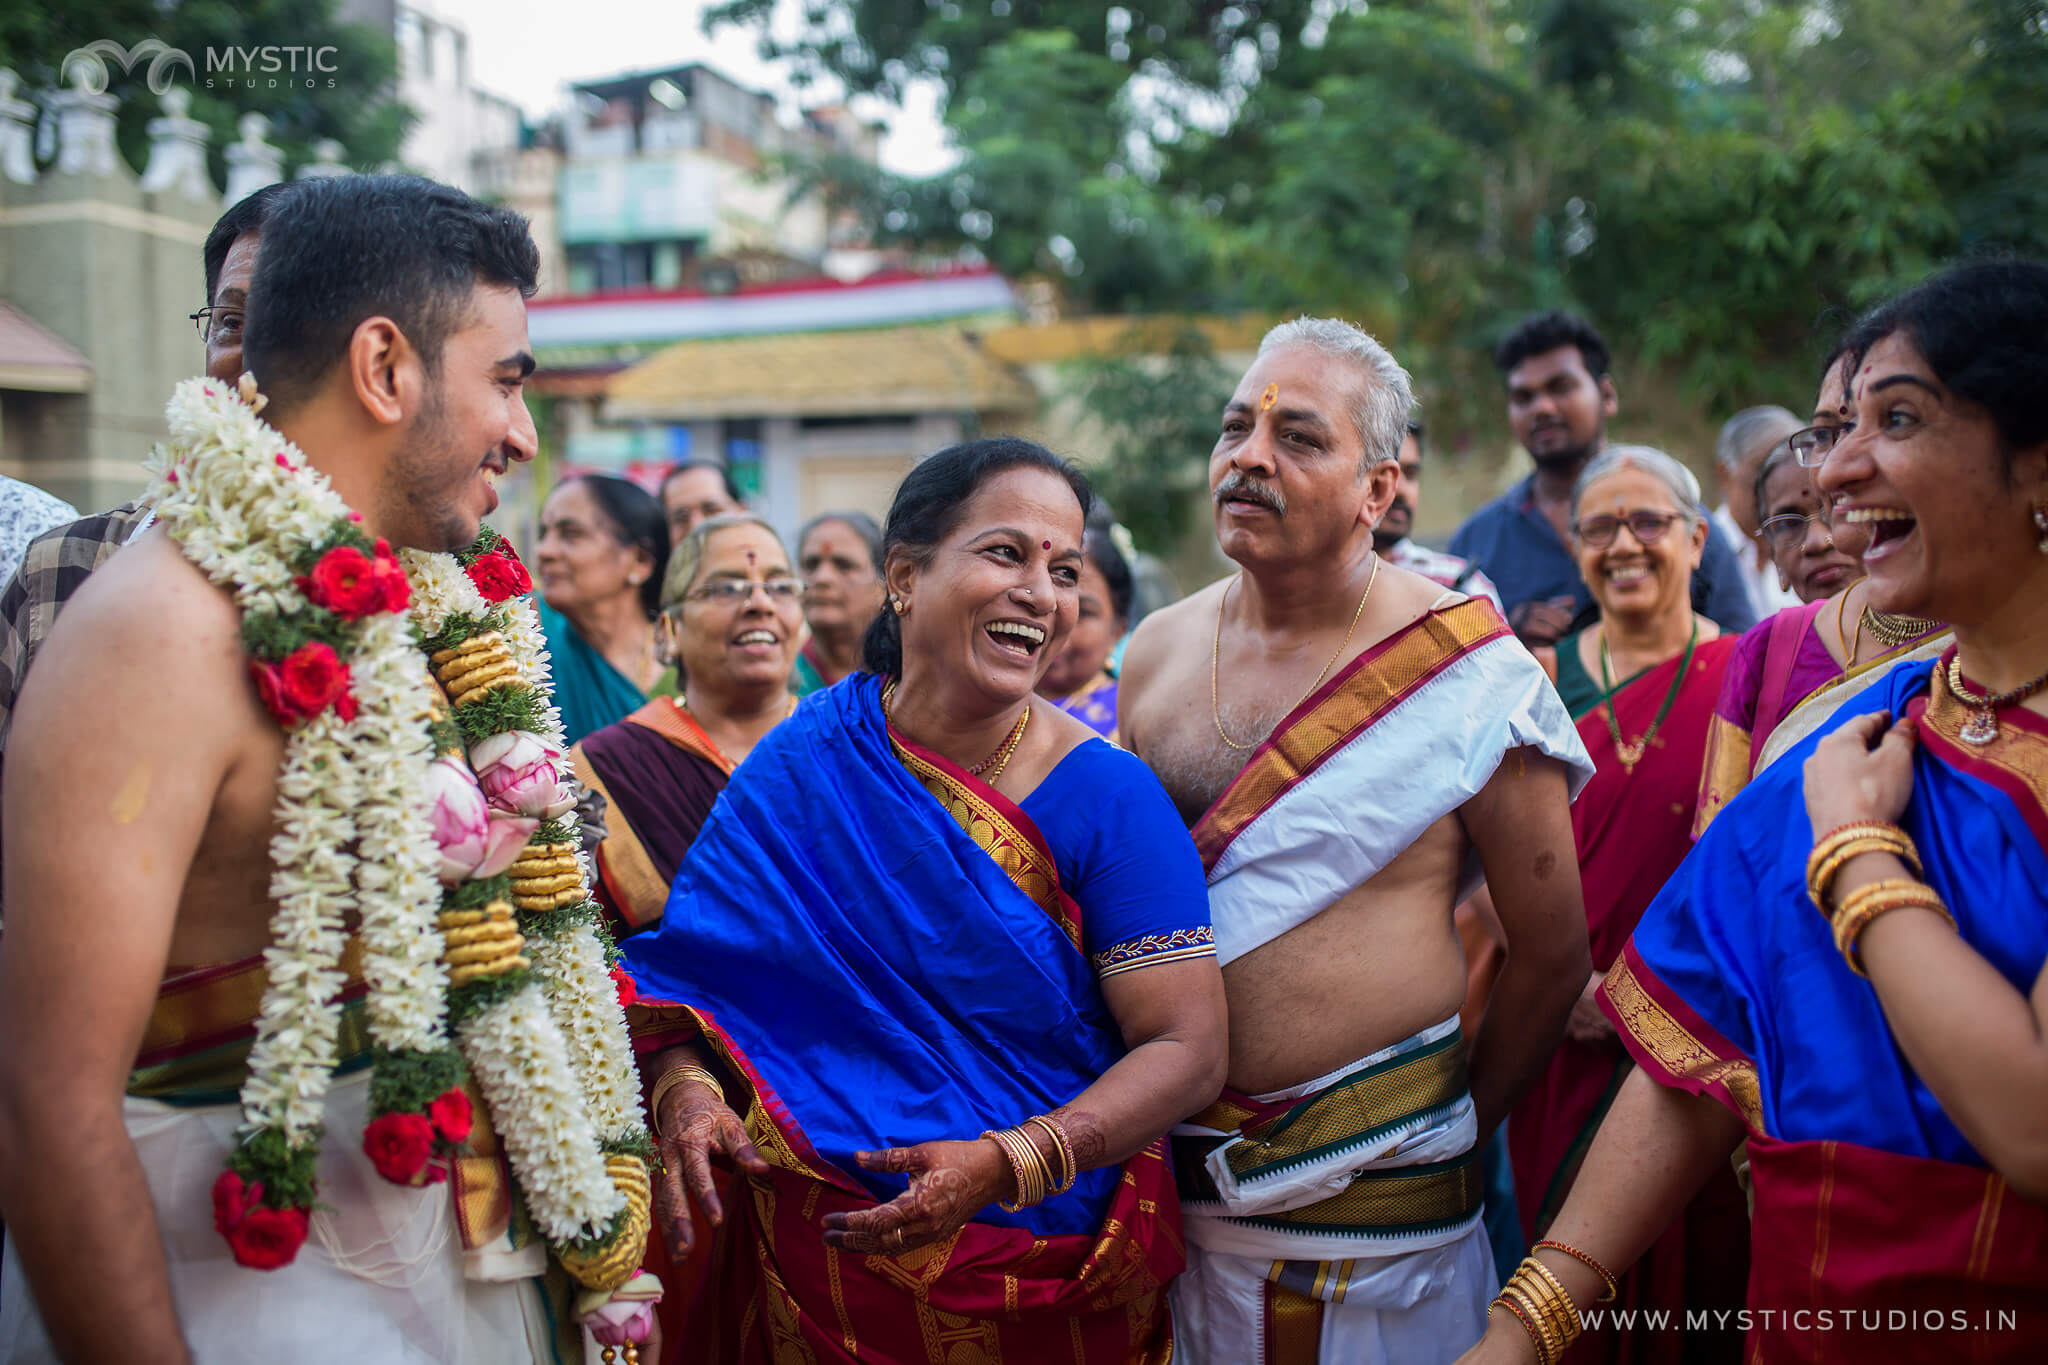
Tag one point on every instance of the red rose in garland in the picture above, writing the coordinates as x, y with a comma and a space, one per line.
394, 589
398, 1145
499, 575
344, 581
261, 1238
313, 678
270, 691
268, 1238
304, 683
452, 1115
232, 1199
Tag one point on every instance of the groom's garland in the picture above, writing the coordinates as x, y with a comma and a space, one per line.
579, 1150
375, 794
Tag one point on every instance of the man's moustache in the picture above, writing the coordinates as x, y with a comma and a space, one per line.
1249, 490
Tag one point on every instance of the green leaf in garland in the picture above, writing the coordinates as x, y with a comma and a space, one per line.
407, 1082
495, 712
271, 636
287, 1173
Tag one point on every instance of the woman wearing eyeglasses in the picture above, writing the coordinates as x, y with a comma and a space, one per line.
1847, 972
731, 612
1792, 670
1641, 683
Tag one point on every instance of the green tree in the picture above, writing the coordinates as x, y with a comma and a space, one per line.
1157, 405
360, 111
1711, 180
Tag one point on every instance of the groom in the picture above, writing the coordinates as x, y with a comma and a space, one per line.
387, 326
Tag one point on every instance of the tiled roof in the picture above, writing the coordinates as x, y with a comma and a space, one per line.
1149, 334
33, 357
820, 374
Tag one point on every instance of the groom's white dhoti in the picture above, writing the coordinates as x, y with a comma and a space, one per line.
1340, 1219
384, 1275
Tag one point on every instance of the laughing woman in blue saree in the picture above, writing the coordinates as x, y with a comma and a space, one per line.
1848, 971
936, 977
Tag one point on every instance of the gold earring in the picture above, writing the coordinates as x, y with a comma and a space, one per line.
896, 605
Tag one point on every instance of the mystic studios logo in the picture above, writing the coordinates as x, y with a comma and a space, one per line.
270, 66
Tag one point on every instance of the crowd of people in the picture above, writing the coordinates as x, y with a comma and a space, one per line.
1378, 954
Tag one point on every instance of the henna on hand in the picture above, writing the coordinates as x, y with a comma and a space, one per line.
1084, 1131
695, 1125
950, 1182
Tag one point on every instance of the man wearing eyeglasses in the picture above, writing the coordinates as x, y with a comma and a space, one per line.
1560, 395
58, 562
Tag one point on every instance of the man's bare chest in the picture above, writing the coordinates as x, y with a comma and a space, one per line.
1191, 760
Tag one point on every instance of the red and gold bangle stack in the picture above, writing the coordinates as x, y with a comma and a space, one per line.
1608, 1285
1537, 1299
1833, 851
1035, 1178
1866, 903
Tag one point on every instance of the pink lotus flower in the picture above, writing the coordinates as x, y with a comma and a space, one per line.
617, 1323
474, 840
626, 1315
522, 773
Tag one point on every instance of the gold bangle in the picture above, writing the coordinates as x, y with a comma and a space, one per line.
1834, 839
1544, 1355
1066, 1151
1548, 1347
1557, 1301
1866, 903
1025, 1164
1823, 884
673, 1077
1608, 1284
1822, 863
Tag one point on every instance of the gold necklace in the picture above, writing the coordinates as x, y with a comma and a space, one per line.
1849, 647
1216, 651
1892, 631
998, 760
1632, 753
1982, 727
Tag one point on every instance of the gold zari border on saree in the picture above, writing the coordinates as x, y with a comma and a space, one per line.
1676, 1050
1027, 867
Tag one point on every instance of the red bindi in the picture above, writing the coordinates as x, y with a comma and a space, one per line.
1045, 545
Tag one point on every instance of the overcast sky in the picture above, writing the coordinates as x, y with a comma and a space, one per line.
528, 50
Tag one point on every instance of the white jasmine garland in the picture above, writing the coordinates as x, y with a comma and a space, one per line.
585, 1003
245, 506
554, 1060
522, 1065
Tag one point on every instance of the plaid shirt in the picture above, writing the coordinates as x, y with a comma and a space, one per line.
57, 563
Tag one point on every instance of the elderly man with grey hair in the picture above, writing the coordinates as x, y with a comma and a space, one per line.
1352, 746
1745, 440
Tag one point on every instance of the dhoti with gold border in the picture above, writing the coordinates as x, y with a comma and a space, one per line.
1337, 1220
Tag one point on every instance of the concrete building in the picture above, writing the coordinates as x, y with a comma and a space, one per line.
670, 178
99, 270
457, 126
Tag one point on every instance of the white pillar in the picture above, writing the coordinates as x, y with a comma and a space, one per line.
85, 128
17, 132
177, 150
252, 162
326, 161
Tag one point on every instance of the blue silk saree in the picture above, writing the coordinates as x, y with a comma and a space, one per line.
883, 951
1868, 1200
